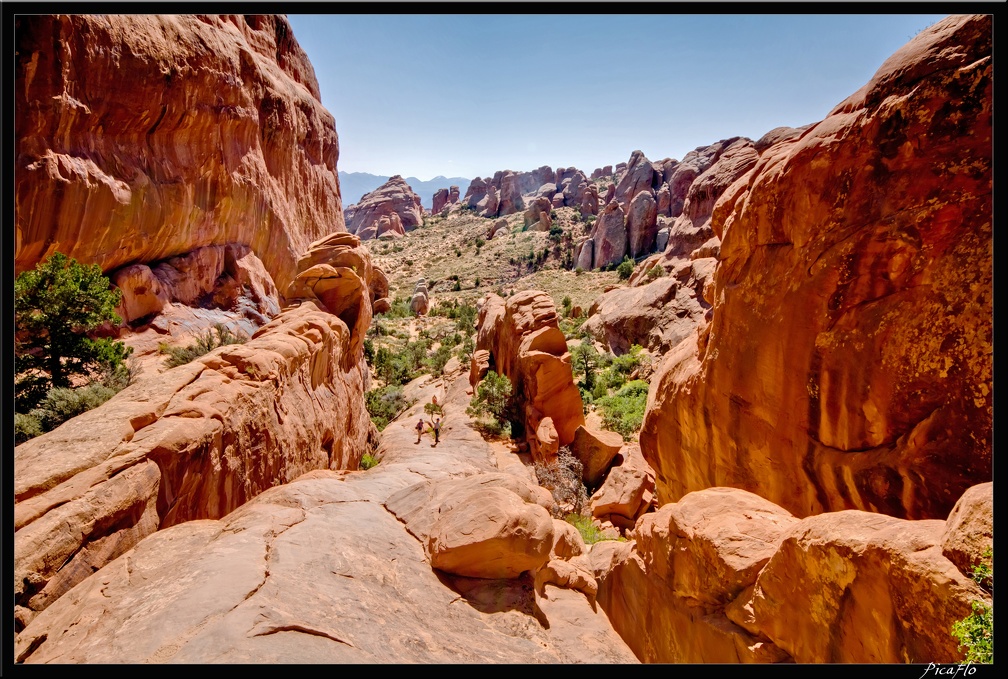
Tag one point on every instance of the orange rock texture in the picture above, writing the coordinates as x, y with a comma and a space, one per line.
524, 343
848, 362
195, 442
142, 137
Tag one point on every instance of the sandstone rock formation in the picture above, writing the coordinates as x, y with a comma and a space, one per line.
194, 442
524, 343
641, 224
289, 576
692, 227
609, 236
393, 201
336, 272
715, 578
143, 137
640, 176
849, 360
656, 314
420, 301
231, 276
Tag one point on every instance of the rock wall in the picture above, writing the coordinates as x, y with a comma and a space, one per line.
142, 137
723, 576
192, 443
848, 363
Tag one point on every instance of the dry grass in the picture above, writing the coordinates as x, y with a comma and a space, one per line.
447, 247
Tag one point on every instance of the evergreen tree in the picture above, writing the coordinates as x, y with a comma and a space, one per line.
56, 305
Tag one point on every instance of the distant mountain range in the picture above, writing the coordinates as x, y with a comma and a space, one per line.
354, 185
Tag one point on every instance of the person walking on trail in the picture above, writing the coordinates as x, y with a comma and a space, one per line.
419, 429
436, 427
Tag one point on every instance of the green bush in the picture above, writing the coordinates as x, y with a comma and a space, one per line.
56, 305
62, 403
217, 336
385, 404
623, 412
625, 268
26, 427
437, 360
368, 461
590, 533
975, 632
492, 399
656, 271
466, 349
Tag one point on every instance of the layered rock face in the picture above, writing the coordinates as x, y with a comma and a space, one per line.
524, 342
291, 575
143, 137
194, 442
849, 359
391, 208
722, 576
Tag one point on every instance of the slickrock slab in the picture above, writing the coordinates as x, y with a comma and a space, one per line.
192, 443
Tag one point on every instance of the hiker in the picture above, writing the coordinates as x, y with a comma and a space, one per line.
436, 427
419, 429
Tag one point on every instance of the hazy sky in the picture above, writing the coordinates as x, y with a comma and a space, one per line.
468, 94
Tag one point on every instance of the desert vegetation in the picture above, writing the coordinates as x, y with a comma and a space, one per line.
62, 366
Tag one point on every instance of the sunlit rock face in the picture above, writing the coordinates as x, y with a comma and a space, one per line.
523, 341
142, 137
848, 363
393, 207
195, 442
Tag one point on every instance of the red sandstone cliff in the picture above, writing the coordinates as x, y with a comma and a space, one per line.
142, 137
848, 363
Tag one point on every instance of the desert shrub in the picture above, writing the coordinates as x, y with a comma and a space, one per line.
566, 304
26, 427
368, 461
217, 336
623, 412
493, 400
437, 359
578, 271
585, 362
590, 533
457, 287
562, 478
625, 268
62, 403
466, 349
975, 632
385, 404
656, 271
56, 305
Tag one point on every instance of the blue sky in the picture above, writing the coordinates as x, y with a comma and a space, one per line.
466, 95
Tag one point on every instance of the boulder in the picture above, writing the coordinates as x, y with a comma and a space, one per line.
656, 314
536, 208
584, 254
849, 348
476, 192
510, 195
596, 450
969, 530
490, 533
